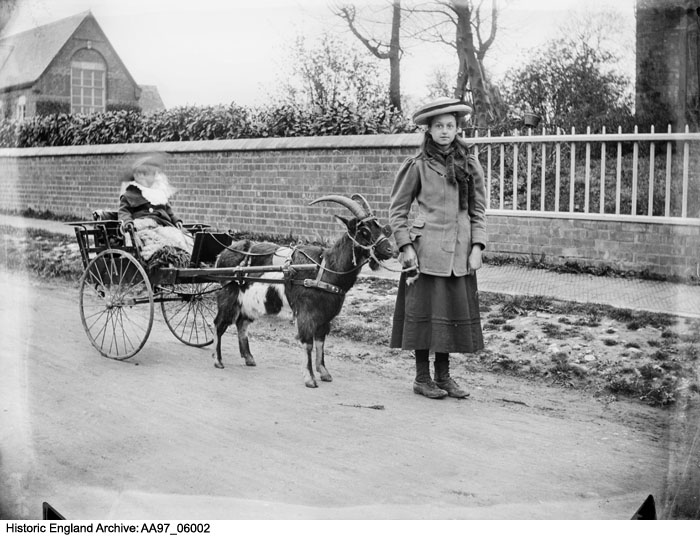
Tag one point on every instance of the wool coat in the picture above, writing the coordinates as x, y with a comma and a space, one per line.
133, 205
441, 233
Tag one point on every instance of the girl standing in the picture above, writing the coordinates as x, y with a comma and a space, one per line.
437, 308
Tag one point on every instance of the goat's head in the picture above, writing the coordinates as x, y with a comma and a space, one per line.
364, 230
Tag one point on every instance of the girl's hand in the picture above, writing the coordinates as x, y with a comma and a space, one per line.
474, 261
179, 225
409, 262
408, 257
125, 227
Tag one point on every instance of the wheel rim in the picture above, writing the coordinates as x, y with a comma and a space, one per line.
189, 310
116, 304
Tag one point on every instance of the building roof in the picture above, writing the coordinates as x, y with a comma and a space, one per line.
26, 55
150, 100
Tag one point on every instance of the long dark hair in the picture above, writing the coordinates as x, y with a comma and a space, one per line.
455, 159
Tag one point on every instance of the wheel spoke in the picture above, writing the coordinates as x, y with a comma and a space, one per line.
191, 317
110, 286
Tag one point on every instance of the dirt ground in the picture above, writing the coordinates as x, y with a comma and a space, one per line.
165, 435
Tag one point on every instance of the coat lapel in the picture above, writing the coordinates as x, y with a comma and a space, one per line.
437, 167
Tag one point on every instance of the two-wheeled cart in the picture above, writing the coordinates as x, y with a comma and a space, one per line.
118, 293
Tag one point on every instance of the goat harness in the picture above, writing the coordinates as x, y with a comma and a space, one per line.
317, 283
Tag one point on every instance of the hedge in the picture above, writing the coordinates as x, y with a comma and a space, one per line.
189, 123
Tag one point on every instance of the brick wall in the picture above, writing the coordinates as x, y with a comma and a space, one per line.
660, 248
265, 186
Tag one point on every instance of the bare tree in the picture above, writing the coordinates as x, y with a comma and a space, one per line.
327, 71
474, 29
390, 50
441, 82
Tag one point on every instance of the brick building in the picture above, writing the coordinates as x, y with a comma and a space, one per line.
668, 74
68, 66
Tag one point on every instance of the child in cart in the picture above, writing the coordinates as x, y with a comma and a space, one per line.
144, 206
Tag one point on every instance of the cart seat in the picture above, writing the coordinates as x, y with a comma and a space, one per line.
207, 246
105, 215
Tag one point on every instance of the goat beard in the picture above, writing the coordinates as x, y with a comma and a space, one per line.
373, 264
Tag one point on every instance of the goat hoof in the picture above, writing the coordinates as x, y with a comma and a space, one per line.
311, 383
326, 377
218, 365
250, 362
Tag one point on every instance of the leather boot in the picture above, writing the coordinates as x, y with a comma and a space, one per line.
443, 379
424, 384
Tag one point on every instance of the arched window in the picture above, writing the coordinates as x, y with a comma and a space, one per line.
87, 83
21, 108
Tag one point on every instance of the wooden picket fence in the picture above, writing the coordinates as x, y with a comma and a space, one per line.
652, 176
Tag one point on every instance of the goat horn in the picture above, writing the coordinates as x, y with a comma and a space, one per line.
352, 206
362, 201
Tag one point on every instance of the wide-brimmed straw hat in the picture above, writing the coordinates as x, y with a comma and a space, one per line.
443, 105
156, 160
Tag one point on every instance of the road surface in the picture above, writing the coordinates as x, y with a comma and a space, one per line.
165, 435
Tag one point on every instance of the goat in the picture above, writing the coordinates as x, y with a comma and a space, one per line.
315, 295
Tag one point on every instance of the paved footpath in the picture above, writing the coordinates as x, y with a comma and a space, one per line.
628, 293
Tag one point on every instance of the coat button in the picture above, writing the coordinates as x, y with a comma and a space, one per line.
150, 209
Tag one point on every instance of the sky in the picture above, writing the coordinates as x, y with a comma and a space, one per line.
208, 52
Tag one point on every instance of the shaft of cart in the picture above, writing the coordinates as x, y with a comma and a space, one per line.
171, 276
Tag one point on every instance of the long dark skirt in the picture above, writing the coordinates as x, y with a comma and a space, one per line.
440, 314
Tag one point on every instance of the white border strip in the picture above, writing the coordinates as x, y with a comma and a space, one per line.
661, 220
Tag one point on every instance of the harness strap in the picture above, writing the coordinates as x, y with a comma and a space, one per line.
317, 283
321, 285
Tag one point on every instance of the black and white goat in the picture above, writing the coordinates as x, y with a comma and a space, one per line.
315, 295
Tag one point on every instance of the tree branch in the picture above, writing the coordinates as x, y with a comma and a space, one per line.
494, 27
348, 14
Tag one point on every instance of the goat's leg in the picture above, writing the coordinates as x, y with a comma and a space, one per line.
227, 312
221, 328
243, 344
308, 370
320, 360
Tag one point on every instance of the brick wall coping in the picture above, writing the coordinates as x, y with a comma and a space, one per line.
256, 144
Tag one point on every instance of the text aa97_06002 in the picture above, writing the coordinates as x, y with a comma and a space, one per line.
67, 528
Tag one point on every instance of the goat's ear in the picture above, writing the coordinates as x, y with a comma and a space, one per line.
346, 223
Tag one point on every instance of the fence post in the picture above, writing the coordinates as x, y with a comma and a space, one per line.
544, 168
652, 155
587, 189
618, 186
669, 156
529, 171
635, 163
572, 177
502, 174
602, 174
515, 176
488, 167
557, 178
686, 165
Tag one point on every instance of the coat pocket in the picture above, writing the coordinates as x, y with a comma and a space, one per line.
416, 230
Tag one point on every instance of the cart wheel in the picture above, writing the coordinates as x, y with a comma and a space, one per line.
189, 310
116, 304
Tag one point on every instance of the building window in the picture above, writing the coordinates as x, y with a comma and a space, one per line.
21, 108
87, 87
